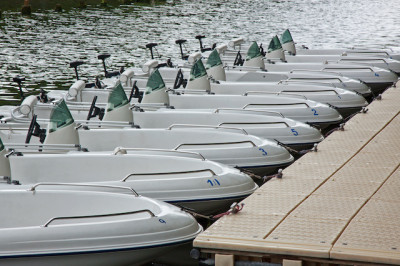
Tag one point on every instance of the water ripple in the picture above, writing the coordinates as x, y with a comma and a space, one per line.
40, 47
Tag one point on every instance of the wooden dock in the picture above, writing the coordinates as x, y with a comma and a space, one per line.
339, 205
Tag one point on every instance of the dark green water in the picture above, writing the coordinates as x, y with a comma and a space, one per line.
41, 46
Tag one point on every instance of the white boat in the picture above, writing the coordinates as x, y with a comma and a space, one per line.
289, 46
236, 74
177, 177
264, 124
292, 106
376, 78
276, 51
345, 101
68, 227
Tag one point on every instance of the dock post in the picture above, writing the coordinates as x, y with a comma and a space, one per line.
287, 262
224, 260
26, 8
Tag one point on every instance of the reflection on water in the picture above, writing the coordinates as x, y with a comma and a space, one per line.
41, 46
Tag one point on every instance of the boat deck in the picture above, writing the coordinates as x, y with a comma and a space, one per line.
339, 205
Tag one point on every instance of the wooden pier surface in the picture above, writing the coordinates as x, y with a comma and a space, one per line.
340, 204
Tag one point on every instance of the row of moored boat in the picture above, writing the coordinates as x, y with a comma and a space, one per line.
90, 173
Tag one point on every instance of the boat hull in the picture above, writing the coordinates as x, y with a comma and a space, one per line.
117, 257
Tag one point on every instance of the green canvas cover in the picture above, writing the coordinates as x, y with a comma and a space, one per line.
117, 98
1, 145
275, 44
60, 117
213, 59
253, 52
286, 37
155, 82
198, 70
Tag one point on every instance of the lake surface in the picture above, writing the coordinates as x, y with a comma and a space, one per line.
41, 46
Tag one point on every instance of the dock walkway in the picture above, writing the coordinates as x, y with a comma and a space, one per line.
339, 205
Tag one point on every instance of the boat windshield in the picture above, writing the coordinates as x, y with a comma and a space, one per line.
198, 70
253, 52
286, 36
155, 82
1, 145
60, 117
275, 44
117, 98
213, 60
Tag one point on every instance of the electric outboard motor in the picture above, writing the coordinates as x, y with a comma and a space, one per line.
150, 46
75, 65
202, 48
19, 80
180, 42
107, 74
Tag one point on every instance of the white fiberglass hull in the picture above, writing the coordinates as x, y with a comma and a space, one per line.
385, 63
248, 74
296, 108
172, 179
377, 79
100, 229
360, 52
345, 101
263, 124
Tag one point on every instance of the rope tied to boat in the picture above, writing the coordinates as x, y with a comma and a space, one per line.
234, 209
363, 110
293, 151
340, 128
279, 175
